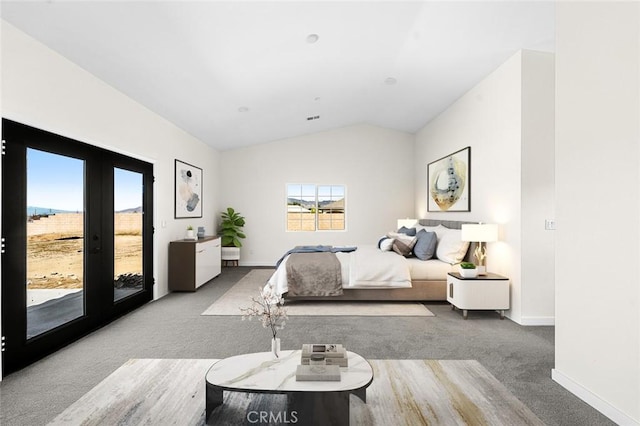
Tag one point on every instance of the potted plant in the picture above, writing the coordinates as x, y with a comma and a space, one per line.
468, 270
231, 233
190, 235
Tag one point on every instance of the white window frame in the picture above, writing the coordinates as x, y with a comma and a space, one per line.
316, 221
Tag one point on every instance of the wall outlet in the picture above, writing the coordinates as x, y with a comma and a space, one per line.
550, 224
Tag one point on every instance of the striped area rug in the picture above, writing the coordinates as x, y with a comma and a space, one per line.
403, 392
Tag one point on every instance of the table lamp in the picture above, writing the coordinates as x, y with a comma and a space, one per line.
481, 234
407, 223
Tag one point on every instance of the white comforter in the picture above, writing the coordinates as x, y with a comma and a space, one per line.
366, 267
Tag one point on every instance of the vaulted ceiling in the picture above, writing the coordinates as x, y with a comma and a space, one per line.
239, 73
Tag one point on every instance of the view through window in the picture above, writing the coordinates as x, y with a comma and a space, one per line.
127, 225
55, 236
315, 207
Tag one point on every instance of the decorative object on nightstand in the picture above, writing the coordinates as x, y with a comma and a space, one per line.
468, 270
481, 234
407, 223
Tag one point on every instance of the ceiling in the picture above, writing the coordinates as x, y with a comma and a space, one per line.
239, 73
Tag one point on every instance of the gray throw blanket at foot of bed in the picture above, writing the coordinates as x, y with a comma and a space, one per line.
314, 274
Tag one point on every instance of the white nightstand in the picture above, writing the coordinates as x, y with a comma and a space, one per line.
490, 292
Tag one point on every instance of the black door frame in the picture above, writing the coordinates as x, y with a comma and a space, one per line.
100, 308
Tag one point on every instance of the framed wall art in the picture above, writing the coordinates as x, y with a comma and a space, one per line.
188, 190
449, 183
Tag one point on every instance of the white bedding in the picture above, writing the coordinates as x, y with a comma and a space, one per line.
366, 267
432, 269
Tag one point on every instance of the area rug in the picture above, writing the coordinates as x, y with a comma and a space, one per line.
239, 296
403, 392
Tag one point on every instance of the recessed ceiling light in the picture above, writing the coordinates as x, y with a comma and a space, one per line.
390, 81
312, 38
243, 109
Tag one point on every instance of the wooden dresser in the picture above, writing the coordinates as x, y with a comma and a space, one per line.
193, 263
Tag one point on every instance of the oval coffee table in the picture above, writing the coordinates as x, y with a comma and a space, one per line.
310, 402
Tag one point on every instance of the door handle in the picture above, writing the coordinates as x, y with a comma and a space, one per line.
97, 248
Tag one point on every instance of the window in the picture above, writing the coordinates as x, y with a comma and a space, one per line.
315, 207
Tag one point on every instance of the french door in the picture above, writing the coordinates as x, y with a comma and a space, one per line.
77, 227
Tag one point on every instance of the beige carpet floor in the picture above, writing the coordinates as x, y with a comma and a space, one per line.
239, 296
403, 392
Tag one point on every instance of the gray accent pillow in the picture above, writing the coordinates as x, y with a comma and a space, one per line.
425, 246
408, 231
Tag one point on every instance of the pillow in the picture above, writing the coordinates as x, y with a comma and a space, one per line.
425, 246
408, 231
385, 244
439, 230
451, 248
402, 243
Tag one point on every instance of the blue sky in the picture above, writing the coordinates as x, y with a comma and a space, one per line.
56, 182
307, 192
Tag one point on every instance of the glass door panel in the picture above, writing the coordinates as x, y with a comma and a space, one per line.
127, 225
55, 241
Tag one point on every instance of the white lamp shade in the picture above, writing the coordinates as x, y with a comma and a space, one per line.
407, 223
483, 232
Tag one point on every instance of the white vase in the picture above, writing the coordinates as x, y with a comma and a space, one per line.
275, 346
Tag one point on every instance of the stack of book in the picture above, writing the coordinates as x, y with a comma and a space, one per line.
321, 362
334, 354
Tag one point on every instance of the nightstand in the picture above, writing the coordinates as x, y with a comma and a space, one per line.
484, 292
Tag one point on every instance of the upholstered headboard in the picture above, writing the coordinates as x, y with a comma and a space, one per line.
451, 224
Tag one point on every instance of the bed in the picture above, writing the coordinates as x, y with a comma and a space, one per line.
371, 273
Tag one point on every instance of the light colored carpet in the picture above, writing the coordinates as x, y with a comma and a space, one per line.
239, 296
403, 392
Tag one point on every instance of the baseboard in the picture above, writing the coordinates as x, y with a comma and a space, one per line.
593, 400
538, 321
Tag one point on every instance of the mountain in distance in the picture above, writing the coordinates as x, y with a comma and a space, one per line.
297, 202
131, 210
43, 211
33, 210
310, 204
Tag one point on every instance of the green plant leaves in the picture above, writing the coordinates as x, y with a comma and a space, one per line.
231, 228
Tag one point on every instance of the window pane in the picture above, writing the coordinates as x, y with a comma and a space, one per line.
331, 207
301, 207
127, 225
311, 208
55, 240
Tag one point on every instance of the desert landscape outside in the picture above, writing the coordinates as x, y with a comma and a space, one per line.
55, 249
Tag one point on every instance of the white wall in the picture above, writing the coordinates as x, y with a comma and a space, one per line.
374, 164
494, 119
598, 205
537, 188
44, 90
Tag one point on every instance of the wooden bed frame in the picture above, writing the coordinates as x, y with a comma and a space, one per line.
421, 290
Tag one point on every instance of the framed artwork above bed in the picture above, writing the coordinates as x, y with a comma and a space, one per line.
449, 183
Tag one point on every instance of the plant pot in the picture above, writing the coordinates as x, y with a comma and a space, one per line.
469, 273
230, 253
190, 235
